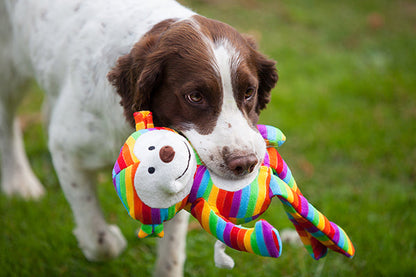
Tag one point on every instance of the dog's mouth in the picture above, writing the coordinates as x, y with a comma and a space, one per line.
235, 183
232, 157
231, 180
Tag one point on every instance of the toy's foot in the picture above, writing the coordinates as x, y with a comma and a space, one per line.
267, 240
103, 245
222, 260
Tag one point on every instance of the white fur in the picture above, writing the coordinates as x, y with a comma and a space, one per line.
221, 259
69, 47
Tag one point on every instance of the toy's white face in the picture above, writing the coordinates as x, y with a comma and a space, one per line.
167, 165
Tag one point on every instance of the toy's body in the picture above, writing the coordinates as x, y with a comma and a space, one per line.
152, 202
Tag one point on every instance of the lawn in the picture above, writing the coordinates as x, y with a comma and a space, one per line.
346, 100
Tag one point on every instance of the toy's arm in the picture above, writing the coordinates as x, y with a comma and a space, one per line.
262, 240
282, 173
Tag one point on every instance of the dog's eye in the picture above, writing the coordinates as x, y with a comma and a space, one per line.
151, 170
194, 97
151, 148
249, 93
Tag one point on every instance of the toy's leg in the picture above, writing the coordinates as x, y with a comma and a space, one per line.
171, 249
17, 177
222, 260
283, 177
262, 240
316, 231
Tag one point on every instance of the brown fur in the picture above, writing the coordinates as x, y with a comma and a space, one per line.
172, 60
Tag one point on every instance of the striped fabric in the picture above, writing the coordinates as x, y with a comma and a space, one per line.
262, 240
240, 206
218, 210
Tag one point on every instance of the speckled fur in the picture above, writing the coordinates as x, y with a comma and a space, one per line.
69, 47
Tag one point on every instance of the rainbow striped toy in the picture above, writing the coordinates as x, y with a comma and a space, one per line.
153, 199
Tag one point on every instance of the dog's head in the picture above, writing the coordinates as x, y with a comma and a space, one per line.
204, 79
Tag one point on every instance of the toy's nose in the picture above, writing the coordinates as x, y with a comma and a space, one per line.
166, 154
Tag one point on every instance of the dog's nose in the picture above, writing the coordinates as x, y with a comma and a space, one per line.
166, 154
242, 165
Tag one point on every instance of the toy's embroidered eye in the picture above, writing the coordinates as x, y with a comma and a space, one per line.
151, 170
151, 148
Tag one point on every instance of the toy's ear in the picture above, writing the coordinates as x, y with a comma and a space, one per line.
272, 135
144, 120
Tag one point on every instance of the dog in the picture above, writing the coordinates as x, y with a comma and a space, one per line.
99, 62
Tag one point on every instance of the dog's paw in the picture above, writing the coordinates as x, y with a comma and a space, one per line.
290, 236
222, 260
103, 245
22, 184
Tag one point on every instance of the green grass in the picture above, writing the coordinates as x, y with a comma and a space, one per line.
346, 100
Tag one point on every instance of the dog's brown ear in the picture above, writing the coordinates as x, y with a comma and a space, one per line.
267, 74
251, 41
136, 74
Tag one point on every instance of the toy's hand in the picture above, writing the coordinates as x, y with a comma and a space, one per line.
271, 135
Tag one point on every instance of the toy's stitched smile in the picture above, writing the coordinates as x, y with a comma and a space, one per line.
187, 165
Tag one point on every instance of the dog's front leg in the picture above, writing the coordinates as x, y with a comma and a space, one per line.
97, 240
171, 249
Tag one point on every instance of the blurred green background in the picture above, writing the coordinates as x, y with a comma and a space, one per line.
346, 100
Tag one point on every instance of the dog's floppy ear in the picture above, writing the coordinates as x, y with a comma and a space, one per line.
268, 77
136, 74
266, 71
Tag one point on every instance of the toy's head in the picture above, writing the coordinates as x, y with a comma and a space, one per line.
153, 174
167, 164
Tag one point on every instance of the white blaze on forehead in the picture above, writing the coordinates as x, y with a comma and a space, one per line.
231, 123
225, 62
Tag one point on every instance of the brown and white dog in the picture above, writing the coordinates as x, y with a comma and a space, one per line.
198, 76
